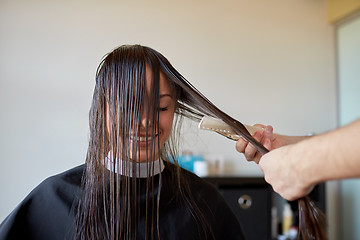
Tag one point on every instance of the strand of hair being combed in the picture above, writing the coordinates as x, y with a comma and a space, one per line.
312, 219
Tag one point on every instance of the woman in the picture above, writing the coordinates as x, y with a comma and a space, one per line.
128, 189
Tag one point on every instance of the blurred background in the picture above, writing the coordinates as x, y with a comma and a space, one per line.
271, 62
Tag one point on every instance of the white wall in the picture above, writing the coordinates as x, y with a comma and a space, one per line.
348, 42
278, 55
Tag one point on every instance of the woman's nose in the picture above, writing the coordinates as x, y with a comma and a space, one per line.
146, 120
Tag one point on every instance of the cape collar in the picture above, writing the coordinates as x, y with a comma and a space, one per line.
127, 168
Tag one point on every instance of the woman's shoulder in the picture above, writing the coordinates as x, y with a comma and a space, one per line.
62, 187
72, 176
47, 209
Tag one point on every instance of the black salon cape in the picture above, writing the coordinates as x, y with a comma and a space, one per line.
48, 211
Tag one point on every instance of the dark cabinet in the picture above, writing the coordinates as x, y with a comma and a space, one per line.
251, 200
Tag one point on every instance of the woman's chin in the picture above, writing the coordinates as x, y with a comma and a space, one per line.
143, 156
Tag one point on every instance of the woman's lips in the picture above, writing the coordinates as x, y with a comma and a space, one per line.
143, 141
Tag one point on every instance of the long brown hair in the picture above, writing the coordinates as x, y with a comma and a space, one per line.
108, 207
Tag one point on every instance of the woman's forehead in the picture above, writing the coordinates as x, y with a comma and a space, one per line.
164, 84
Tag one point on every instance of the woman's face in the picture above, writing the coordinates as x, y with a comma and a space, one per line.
166, 116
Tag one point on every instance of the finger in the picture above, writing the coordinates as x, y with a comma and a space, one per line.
257, 157
259, 125
258, 135
241, 145
268, 132
250, 150
267, 144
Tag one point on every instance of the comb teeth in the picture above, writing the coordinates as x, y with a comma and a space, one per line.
217, 125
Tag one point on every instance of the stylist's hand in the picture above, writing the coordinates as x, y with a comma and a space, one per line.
266, 137
284, 169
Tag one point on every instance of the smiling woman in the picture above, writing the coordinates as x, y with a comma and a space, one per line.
139, 90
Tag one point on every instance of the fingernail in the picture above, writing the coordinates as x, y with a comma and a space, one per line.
268, 129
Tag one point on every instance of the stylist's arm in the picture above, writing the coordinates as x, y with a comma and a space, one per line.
301, 162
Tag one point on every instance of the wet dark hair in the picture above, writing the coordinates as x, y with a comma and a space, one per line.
121, 91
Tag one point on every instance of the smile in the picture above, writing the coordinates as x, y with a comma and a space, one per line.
142, 138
